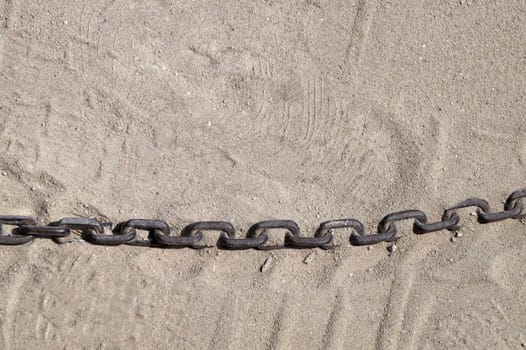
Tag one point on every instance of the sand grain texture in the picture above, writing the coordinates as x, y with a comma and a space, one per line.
247, 111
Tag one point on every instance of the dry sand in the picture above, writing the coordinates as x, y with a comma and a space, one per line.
246, 111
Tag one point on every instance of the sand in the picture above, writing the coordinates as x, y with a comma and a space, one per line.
248, 111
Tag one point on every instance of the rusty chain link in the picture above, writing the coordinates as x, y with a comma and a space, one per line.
25, 229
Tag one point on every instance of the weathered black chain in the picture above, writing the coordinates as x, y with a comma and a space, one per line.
160, 233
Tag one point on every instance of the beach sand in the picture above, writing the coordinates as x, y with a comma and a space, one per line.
247, 111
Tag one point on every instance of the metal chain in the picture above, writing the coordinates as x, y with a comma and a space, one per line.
160, 233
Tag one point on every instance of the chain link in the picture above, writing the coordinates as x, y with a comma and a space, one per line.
25, 229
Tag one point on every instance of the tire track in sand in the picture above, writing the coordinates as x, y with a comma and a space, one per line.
360, 30
279, 324
225, 326
335, 138
16, 287
65, 292
336, 327
407, 307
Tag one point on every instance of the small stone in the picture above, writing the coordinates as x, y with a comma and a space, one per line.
33, 188
473, 213
392, 248
4, 173
450, 260
266, 264
458, 234
369, 247
453, 239
308, 258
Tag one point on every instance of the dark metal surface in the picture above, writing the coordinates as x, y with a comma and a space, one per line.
25, 229
361, 238
119, 235
326, 229
260, 229
445, 224
129, 229
15, 220
481, 205
512, 213
195, 231
42, 231
513, 198
385, 224
87, 227
295, 239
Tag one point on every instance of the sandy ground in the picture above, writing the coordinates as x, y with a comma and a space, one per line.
247, 111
